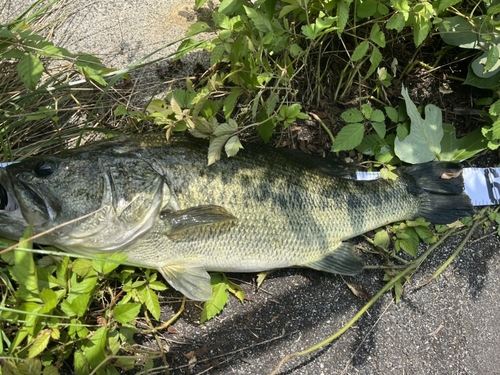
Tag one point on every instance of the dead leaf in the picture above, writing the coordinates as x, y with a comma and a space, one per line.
358, 290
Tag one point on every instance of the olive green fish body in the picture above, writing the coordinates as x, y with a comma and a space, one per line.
161, 205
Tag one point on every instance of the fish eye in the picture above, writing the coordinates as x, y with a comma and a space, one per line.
44, 168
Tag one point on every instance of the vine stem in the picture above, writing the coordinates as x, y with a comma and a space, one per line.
411, 267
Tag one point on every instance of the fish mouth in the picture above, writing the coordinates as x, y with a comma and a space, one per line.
13, 222
8, 202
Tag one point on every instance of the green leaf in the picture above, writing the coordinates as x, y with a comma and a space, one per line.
382, 239
236, 290
266, 127
375, 59
343, 14
217, 53
228, 128
50, 300
39, 344
219, 299
261, 22
80, 364
423, 144
215, 147
377, 36
150, 299
197, 28
109, 262
396, 22
30, 69
453, 149
82, 267
127, 312
24, 272
366, 8
360, 51
480, 64
443, 4
94, 348
352, 115
233, 145
457, 31
377, 116
379, 129
349, 137
392, 113
230, 101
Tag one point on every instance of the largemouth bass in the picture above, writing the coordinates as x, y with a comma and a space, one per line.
160, 204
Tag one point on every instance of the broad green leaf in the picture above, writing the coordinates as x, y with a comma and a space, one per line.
233, 145
227, 128
55, 52
236, 290
352, 115
127, 312
453, 149
227, 7
360, 51
266, 127
39, 344
29, 366
82, 267
457, 31
30, 69
495, 108
349, 137
24, 272
491, 83
217, 53
94, 348
443, 4
480, 63
50, 300
423, 144
219, 298
199, 3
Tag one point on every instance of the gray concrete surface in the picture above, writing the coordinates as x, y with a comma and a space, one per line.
450, 326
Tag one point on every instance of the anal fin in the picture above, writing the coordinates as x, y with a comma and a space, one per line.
341, 261
192, 281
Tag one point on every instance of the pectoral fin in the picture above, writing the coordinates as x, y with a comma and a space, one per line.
193, 217
341, 261
192, 281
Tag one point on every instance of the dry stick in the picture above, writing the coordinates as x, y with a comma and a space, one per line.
411, 267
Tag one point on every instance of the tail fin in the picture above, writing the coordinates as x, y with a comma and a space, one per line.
443, 199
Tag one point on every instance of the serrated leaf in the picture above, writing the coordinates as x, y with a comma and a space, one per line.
375, 59
382, 239
377, 116
233, 145
266, 127
379, 129
492, 61
352, 115
343, 7
215, 148
377, 36
360, 51
39, 344
127, 312
236, 290
50, 300
230, 101
423, 144
216, 54
392, 113
30, 69
109, 262
80, 364
396, 22
349, 137
261, 22
366, 8
82, 267
227, 128
150, 299
197, 28
219, 299
94, 348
